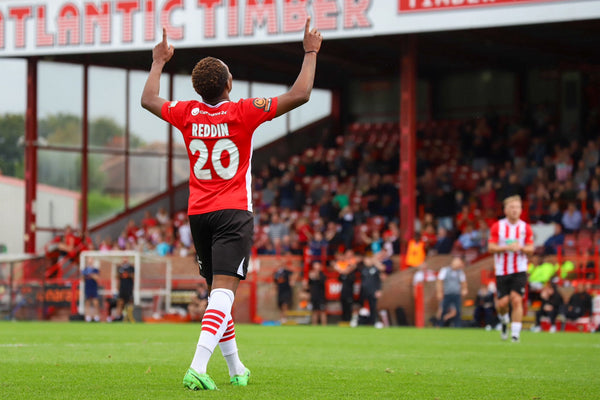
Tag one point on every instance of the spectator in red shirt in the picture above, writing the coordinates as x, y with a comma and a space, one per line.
68, 242
489, 217
487, 195
86, 241
464, 217
149, 221
131, 230
303, 230
429, 236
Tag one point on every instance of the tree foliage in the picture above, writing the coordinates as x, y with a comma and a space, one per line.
61, 130
59, 168
104, 132
12, 132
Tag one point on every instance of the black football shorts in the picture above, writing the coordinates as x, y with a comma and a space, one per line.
223, 240
511, 283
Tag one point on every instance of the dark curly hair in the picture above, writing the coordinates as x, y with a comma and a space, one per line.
209, 78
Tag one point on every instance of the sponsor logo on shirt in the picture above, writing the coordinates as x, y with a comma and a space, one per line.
197, 111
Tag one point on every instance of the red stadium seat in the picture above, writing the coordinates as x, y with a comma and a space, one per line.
596, 239
570, 244
375, 223
584, 241
355, 127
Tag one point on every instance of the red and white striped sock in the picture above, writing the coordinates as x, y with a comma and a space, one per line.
214, 324
229, 349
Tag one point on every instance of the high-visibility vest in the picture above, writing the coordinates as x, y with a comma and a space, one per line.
415, 253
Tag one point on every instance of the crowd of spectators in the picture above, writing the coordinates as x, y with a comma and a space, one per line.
160, 233
345, 195
494, 158
328, 197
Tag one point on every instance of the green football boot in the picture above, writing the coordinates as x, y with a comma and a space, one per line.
195, 381
241, 380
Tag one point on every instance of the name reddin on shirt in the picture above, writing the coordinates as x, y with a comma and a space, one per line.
209, 130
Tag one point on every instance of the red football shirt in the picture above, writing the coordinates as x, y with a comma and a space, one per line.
219, 144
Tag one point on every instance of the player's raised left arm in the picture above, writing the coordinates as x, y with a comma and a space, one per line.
299, 93
161, 54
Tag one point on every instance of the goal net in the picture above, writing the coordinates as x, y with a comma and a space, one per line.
151, 278
21, 287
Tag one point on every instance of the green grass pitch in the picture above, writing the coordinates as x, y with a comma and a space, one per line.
43, 360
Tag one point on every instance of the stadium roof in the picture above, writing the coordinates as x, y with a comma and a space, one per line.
553, 45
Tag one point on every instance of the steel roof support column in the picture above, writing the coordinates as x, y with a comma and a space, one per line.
170, 144
127, 137
31, 156
408, 125
84, 152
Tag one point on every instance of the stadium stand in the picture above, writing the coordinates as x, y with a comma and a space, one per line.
347, 187
349, 192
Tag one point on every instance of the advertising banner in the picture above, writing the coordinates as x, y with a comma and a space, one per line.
436, 5
41, 27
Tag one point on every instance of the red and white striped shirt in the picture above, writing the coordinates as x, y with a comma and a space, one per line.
504, 233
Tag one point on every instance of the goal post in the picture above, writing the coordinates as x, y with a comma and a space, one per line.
152, 276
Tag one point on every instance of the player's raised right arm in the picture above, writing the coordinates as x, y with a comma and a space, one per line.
300, 91
161, 54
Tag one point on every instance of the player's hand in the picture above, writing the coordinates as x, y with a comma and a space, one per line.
163, 51
513, 247
312, 38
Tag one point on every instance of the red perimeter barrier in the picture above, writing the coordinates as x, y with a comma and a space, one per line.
419, 306
253, 281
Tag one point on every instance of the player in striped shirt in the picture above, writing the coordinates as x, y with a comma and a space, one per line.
511, 241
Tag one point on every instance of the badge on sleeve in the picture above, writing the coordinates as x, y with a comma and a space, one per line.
262, 103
